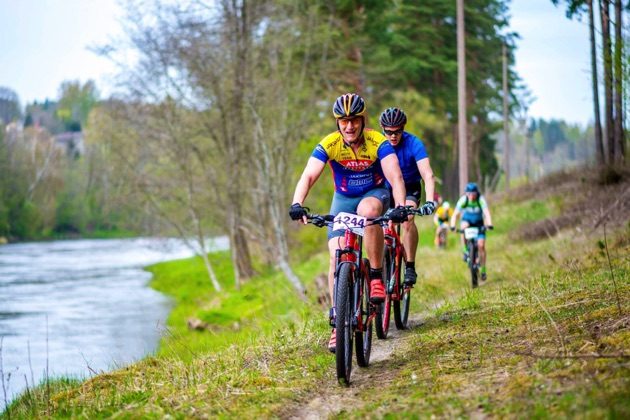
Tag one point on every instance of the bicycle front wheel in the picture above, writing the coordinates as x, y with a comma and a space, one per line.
401, 306
442, 238
384, 310
343, 324
363, 335
472, 263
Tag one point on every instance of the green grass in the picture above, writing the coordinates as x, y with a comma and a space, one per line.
524, 345
263, 305
534, 341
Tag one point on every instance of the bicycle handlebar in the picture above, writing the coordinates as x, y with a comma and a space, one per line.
321, 220
481, 229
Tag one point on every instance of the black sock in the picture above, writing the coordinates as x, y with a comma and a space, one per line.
410, 264
376, 273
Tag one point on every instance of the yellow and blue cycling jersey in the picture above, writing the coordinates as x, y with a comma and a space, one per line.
355, 174
443, 214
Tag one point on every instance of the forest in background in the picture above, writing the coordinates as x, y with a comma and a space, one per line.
222, 102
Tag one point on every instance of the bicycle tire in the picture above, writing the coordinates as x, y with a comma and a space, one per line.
401, 306
442, 239
472, 263
343, 323
384, 310
363, 339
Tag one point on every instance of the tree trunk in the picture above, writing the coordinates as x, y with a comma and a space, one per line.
608, 78
270, 164
619, 133
506, 126
461, 98
239, 247
211, 274
599, 144
241, 258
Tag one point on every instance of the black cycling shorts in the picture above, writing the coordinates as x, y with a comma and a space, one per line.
414, 192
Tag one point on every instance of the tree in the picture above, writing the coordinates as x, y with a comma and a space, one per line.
604, 9
226, 66
9, 106
156, 148
462, 115
599, 144
75, 103
575, 8
619, 133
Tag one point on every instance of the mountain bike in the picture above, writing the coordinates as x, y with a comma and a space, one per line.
442, 235
353, 314
470, 236
397, 294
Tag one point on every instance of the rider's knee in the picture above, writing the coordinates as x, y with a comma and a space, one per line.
370, 207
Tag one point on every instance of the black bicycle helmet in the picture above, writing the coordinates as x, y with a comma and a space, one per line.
472, 187
349, 105
393, 117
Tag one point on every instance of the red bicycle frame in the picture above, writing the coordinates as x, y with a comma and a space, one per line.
351, 253
392, 239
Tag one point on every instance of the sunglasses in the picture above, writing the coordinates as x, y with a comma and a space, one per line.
392, 132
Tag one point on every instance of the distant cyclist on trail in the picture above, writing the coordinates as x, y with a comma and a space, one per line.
415, 167
360, 159
475, 213
441, 219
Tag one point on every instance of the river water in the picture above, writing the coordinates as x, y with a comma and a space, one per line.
79, 307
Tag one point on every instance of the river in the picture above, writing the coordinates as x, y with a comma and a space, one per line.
78, 307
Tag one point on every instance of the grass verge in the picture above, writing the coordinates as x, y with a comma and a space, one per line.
547, 335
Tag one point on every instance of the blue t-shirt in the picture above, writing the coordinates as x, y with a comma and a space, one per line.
410, 149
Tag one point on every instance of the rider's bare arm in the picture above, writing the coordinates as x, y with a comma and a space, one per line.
486, 217
427, 176
312, 171
454, 218
391, 170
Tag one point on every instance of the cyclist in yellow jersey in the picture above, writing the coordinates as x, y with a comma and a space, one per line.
441, 219
361, 160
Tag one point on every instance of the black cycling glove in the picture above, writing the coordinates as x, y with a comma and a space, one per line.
296, 212
427, 208
397, 215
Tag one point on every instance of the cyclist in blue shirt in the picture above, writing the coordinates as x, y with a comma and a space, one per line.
475, 213
415, 167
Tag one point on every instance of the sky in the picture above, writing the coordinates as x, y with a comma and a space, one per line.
45, 42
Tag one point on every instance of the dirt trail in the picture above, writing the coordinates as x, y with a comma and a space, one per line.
332, 398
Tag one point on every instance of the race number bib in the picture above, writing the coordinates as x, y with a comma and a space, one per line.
471, 232
354, 222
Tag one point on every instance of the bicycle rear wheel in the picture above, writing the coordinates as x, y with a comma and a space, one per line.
384, 309
401, 306
343, 324
363, 337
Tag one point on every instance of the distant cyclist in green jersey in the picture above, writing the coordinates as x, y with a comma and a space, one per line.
414, 164
475, 213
